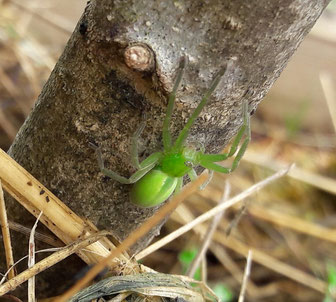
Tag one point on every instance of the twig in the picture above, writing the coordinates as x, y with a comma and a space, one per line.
55, 249
31, 261
6, 234
211, 213
60, 219
322, 182
221, 254
50, 261
272, 263
133, 237
49, 239
208, 235
246, 276
295, 223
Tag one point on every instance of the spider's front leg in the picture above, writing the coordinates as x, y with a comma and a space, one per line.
208, 160
145, 166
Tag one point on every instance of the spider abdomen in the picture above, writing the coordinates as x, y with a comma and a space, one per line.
153, 188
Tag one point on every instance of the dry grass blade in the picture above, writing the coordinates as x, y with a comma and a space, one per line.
50, 261
294, 223
211, 213
281, 219
49, 239
272, 263
137, 234
264, 259
56, 216
6, 234
322, 182
31, 261
147, 284
208, 235
246, 276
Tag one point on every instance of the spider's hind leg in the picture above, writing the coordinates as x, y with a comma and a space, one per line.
147, 165
192, 175
134, 143
245, 129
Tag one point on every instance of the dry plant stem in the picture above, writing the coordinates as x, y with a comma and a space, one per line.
294, 223
211, 213
329, 94
272, 263
31, 261
137, 234
223, 257
246, 276
208, 235
6, 234
266, 260
281, 219
321, 182
63, 222
50, 261
184, 216
204, 269
51, 240
17, 262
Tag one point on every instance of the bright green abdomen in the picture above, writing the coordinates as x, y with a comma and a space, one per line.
152, 189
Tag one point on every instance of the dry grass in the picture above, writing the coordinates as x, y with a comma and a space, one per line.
290, 226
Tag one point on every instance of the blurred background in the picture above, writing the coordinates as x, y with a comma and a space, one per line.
290, 225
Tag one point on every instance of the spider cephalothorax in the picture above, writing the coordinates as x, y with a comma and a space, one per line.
161, 173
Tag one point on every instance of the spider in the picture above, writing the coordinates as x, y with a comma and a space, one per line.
161, 174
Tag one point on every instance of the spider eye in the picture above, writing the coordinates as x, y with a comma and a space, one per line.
188, 163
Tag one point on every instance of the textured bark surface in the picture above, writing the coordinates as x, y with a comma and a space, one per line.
93, 96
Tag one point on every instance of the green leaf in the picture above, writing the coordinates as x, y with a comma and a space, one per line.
331, 272
223, 292
186, 257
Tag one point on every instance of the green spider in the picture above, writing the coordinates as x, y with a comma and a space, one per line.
161, 173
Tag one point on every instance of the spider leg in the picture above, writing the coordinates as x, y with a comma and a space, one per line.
133, 178
244, 129
147, 165
208, 160
215, 167
192, 175
212, 166
178, 186
213, 157
151, 159
134, 145
210, 175
166, 136
184, 133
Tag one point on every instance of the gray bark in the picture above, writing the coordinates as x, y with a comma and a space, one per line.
93, 96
